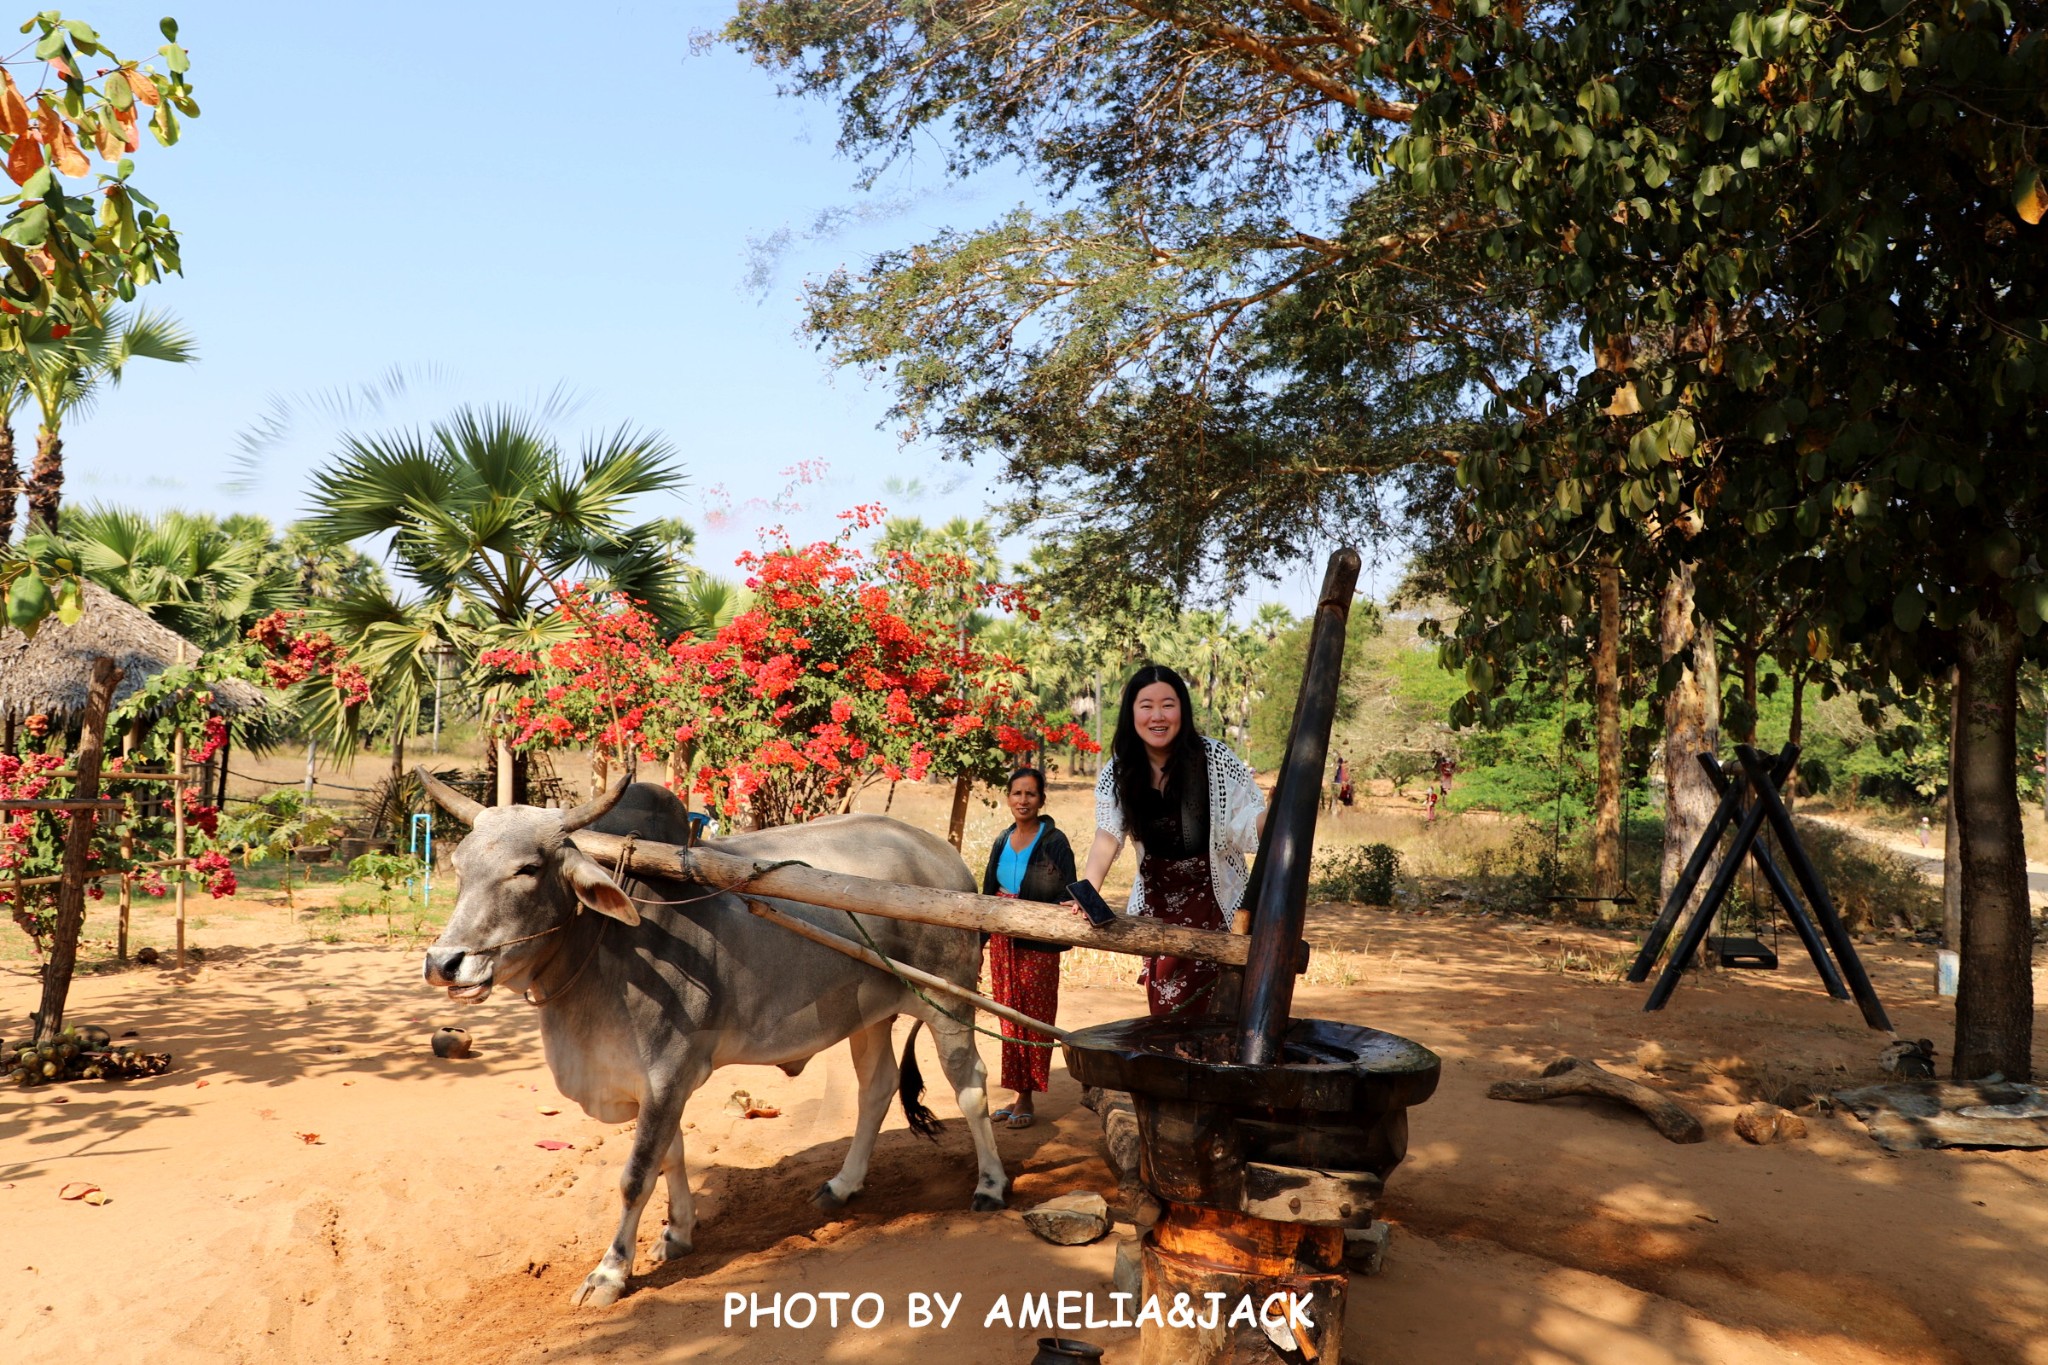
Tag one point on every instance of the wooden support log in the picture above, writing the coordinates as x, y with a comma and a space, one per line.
1570, 1076
92, 740
711, 867
921, 977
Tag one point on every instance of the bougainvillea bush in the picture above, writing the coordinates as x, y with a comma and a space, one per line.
32, 842
844, 670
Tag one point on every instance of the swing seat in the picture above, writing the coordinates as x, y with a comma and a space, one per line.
1750, 953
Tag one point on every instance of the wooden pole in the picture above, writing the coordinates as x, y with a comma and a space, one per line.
77, 849
1268, 991
178, 833
1138, 935
922, 978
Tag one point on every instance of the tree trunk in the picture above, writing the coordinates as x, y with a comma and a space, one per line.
956, 827
397, 784
312, 753
220, 791
1749, 657
10, 483
1797, 734
1692, 726
1995, 998
46, 483
1607, 712
1951, 838
63, 961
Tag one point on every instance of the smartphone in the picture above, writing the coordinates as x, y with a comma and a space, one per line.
1090, 900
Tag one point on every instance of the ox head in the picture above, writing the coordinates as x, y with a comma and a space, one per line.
520, 880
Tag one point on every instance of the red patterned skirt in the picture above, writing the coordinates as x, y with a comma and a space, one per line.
1178, 891
1026, 980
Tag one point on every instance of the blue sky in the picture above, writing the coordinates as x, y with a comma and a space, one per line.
501, 199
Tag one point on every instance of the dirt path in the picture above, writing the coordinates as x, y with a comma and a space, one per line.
1927, 860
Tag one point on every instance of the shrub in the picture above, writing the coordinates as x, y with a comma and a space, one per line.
1364, 873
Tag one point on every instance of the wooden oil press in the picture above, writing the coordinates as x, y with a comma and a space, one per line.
1263, 1137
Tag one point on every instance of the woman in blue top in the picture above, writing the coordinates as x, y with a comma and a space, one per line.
1031, 860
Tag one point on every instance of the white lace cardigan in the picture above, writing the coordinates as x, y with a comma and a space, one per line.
1235, 804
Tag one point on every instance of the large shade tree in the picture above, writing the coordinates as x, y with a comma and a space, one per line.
1219, 343
1822, 386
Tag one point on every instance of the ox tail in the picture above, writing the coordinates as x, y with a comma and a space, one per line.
910, 1090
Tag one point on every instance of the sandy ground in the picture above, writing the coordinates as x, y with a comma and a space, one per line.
311, 1184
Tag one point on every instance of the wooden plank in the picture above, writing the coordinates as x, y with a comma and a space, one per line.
891, 900
1297, 1194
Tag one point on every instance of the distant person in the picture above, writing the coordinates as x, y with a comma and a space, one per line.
1193, 809
1031, 860
1344, 792
1924, 827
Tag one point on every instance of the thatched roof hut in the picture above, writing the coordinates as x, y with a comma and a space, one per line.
47, 675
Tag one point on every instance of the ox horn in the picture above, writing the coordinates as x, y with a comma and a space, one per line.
578, 816
463, 808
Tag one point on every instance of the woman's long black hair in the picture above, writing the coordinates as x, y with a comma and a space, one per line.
1187, 774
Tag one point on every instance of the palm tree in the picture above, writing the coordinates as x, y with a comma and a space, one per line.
207, 579
485, 513
12, 394
66, 373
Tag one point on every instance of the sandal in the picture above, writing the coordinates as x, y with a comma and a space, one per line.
1021, 1120
1003, 1115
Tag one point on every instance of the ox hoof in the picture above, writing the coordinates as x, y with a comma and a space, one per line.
671, 1247
987, 1203
601, 1289
826, 1200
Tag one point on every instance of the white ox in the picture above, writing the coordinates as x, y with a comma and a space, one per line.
668, 981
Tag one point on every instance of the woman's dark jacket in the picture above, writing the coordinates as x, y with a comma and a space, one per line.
1046, 877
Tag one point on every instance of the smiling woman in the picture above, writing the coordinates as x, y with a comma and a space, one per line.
1192, 807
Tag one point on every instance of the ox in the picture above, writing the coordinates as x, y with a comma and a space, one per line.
667, 981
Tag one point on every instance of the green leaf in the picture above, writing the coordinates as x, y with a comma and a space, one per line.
175, 58
51, 45
29, 227
70, 604
36, 186
119, 93
28, 602
1909, 609
168, 27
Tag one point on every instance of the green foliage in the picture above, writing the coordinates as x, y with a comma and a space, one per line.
1366, 874
70, 252
277, 825
1280, 665
1230, 344
1792, 380
385, 871
486, 513
207, 578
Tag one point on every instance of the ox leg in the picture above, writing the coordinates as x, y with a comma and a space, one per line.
656, 1142
681, 1228
874, 1068
963, 1067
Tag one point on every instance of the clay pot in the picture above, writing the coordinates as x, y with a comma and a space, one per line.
1065, 1351
451, 1042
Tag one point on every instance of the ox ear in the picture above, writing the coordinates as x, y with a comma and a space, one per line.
595, 888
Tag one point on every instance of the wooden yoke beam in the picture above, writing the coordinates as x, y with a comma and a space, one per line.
709, 867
